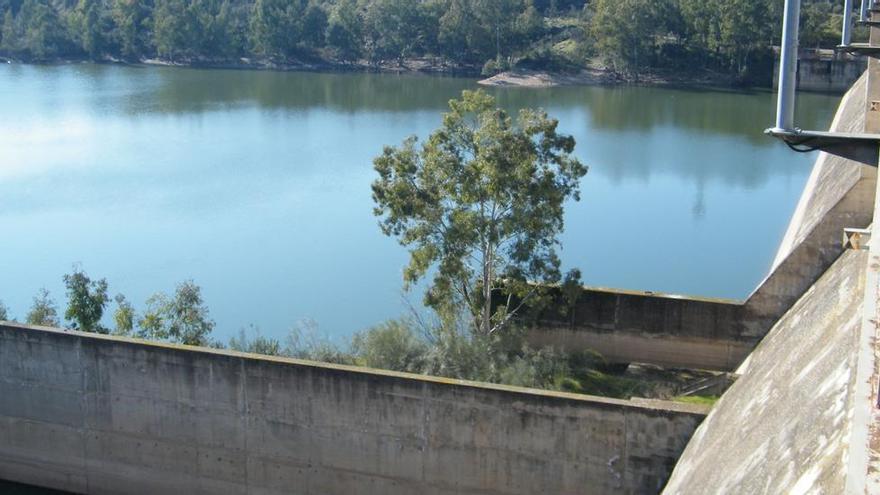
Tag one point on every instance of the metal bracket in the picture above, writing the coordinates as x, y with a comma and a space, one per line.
860, 49
863, 148
856, 238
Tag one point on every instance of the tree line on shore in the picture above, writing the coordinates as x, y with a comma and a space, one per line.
730, 36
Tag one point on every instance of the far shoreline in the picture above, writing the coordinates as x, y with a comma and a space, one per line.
514, 78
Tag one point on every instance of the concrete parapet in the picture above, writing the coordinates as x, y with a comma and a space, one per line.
661, 329
99, 414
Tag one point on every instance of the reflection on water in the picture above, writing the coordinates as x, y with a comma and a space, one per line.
256, 184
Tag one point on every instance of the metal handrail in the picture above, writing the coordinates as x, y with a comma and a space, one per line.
785, 103
859, 147
788, 57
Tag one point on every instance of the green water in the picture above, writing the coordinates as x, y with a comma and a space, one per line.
256, 185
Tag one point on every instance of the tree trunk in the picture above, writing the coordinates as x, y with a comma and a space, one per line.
486, 324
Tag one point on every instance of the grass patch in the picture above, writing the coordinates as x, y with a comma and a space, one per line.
703, 400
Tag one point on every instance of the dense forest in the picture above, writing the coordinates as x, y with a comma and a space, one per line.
731, 37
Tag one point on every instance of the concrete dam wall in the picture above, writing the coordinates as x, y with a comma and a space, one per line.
827, 71
99, 414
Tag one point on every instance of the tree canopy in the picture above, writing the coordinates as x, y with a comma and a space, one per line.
86, 301
43, 311
182, 318
480, 203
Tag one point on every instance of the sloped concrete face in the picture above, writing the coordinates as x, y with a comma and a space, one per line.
784, 426
98, 414
831, 178
839, 194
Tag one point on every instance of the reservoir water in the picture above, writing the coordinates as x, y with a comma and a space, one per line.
257, 186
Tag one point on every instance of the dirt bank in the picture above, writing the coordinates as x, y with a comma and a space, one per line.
602, 76
538, 79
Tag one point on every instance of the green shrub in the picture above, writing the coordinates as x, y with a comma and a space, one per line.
304, 342
703, 400
255, 343
494, 66
392, 345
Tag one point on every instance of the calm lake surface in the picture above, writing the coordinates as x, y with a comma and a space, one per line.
257, 186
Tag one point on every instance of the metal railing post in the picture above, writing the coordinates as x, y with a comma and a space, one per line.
788, 59
863, 11
846, 32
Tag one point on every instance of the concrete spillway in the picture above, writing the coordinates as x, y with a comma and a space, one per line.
99, 414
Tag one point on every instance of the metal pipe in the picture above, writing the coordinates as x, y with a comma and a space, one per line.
846, 32
788, 59
863, 12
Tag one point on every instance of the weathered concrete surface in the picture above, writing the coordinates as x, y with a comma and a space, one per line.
862, 464
685, 331
784, 426
97, 414
829, 71
660, 329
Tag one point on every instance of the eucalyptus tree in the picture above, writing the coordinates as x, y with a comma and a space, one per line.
183, 318
344, 30
87, 22
87, 299
43, 311
132, 21
43, 35
276, 26
124, 316
480, 205
173, 28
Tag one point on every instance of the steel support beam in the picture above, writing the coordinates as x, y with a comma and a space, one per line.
846, 31
788, 59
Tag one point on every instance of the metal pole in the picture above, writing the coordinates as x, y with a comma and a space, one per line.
863, 12
788, 66
846, 35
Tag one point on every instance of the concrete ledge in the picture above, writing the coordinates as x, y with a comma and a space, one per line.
661, 329
664, 405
